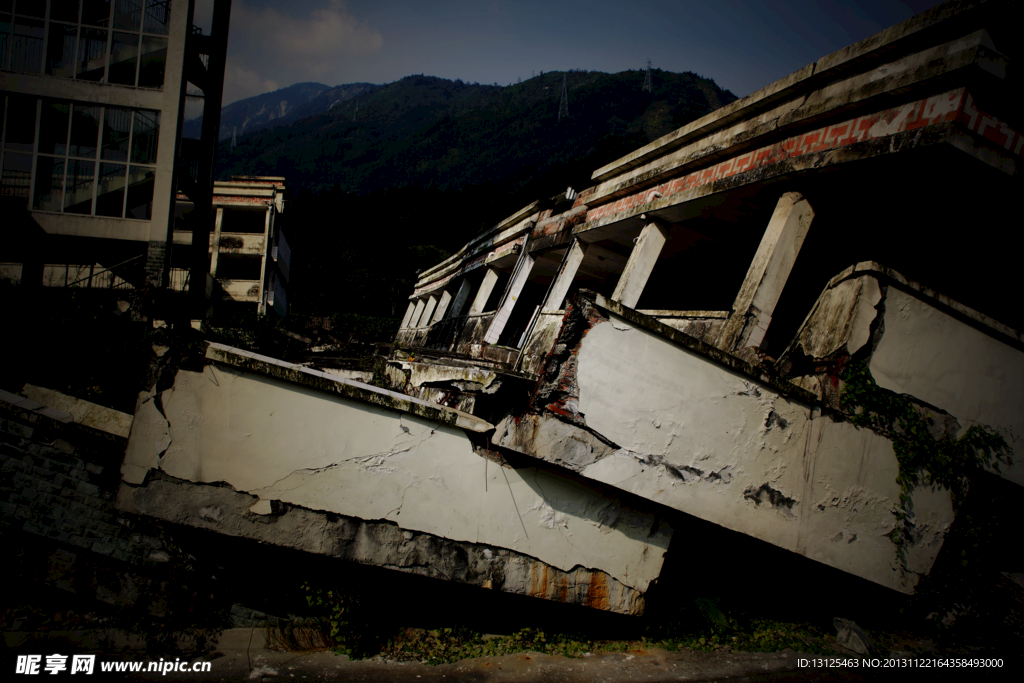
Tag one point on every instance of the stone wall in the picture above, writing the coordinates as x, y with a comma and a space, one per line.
58, 480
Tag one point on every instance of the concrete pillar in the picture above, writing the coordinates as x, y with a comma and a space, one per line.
755, 304
268, 219
515, 288
414, 321
641, 264
428, 311
566, 272
442, 306
161, 227
408, 314
484, 293
215, 248
459, 302
213, 91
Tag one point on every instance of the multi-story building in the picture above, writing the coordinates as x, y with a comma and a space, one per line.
250, 260
92, 98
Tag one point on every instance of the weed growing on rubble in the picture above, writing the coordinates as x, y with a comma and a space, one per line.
342, 621
445, 645
923, 458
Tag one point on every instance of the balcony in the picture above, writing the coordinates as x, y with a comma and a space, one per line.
248, 291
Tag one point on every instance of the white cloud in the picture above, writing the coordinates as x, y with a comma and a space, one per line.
268, 47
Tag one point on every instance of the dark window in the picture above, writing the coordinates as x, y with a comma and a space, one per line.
117, 124
64, 10
53, 128
17, 173
31, 8
21, 124
85, 130
67, 177
5, 32
239, 267
92, 54
145, 135
124, 57
78, 186
110, 192
60, 50
96, 12
158, 16
128, 14
140, 192
27, 46
49, 192
154, 59
241, 220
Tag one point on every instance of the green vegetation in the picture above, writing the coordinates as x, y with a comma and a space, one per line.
349, 627
429, 163
924, 458
423, 130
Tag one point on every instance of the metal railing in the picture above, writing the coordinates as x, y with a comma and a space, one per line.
443, 335
107, 278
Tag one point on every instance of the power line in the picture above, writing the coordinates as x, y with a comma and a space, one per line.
563, 108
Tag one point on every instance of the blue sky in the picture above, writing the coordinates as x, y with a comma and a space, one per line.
742, 44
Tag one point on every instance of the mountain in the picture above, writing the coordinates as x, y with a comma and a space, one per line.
393, 180
278, 107
430, 132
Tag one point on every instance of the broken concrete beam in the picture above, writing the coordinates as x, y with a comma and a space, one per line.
379, 543
960, 366
754, 306
276, 435
641, 264
709, 439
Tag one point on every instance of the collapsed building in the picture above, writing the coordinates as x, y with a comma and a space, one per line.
682, 338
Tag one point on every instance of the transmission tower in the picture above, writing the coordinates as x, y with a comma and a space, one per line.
234, 137
563, 108
355, 112
647, 79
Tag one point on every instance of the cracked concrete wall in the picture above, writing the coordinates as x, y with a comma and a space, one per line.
541, 340
283, 442
713, 443
955, 367
916, 349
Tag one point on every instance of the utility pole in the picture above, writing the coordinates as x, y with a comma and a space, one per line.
647, 79
563, 108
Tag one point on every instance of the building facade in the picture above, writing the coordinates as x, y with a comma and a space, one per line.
723, 331
93, 95
697, 325
250, 260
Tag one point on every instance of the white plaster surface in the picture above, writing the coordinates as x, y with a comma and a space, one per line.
946, 363
705, 440
284, 442
841, 317
83, 412
425, 373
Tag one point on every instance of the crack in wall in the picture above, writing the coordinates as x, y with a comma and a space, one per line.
377, 459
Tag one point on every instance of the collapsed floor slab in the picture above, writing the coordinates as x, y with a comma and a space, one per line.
256, 448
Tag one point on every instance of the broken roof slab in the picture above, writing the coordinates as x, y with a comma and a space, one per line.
277, 438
